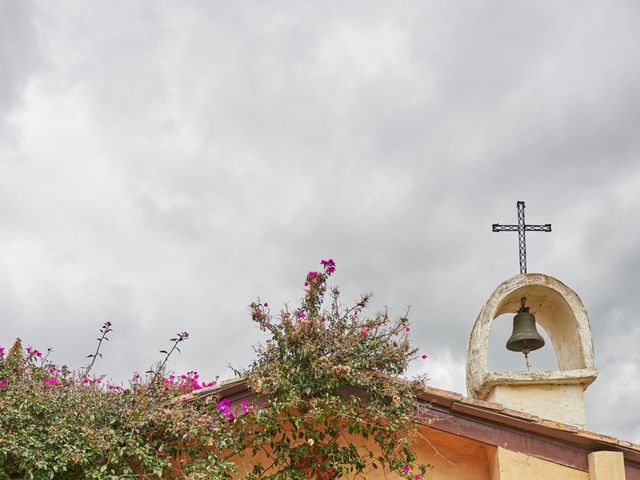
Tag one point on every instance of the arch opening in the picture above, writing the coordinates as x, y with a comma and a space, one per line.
561, 319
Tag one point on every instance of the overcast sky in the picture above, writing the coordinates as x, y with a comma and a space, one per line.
163, 164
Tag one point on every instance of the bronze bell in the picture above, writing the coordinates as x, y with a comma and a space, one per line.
525, 338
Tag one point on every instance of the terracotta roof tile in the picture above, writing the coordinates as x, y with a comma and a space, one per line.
483, 404
522, 415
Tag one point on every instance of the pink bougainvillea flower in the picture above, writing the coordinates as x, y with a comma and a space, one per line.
211, 426
312, 275
1, 352
423, 356
329, 265
406, 468
417, 477
363, 333
51, 381
306, 284
3, 382
301, 315
408, 329
33, 352
265, 304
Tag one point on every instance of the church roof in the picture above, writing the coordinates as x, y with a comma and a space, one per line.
489, 423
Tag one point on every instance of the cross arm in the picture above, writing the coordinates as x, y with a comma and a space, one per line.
538, 228
496, 227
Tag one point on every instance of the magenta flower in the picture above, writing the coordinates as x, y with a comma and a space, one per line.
51, 381
301, 315
33, 352
408, 329
211, 426
224, 407
417, 477
406, 468
329, 266
306, 284
3, 382
1, 352
312, 275
265, 305
423, 356
363, 333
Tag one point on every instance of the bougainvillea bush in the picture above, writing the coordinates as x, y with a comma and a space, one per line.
331, 404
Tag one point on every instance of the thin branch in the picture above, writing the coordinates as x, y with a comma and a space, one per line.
180, 337
106, 328
434, 448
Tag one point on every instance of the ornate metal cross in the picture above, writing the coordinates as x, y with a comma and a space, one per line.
521, 228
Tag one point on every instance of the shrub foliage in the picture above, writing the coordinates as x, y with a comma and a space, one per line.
328, 402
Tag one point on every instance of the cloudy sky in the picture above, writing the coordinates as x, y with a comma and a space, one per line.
162, 164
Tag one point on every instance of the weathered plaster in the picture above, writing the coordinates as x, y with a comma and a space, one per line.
508, 465
559, 310
606, 466
544, 401
450, 456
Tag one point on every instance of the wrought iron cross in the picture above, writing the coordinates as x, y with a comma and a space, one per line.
521, 228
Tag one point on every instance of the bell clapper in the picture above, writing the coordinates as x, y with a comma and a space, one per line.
526, 351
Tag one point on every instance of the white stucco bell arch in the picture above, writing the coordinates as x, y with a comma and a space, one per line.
560, 312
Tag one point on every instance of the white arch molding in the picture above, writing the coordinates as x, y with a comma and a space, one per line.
562, 314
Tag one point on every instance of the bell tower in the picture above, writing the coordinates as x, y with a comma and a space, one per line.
553, 395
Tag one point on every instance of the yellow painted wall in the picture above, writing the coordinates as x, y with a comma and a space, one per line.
451, 457
509, 465
459, 458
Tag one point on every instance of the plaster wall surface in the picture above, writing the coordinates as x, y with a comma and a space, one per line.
561, 403
450, 457
509, 465
606, 466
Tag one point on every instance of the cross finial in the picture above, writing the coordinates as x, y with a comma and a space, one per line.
521, 228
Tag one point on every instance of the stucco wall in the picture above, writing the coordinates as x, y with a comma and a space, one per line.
508, 465
564, 403
451, 457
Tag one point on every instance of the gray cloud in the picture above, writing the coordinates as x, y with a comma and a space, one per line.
171, 163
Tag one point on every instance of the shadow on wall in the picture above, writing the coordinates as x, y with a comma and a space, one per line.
502, 360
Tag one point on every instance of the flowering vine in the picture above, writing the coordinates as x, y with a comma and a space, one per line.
327, 402
329, 375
